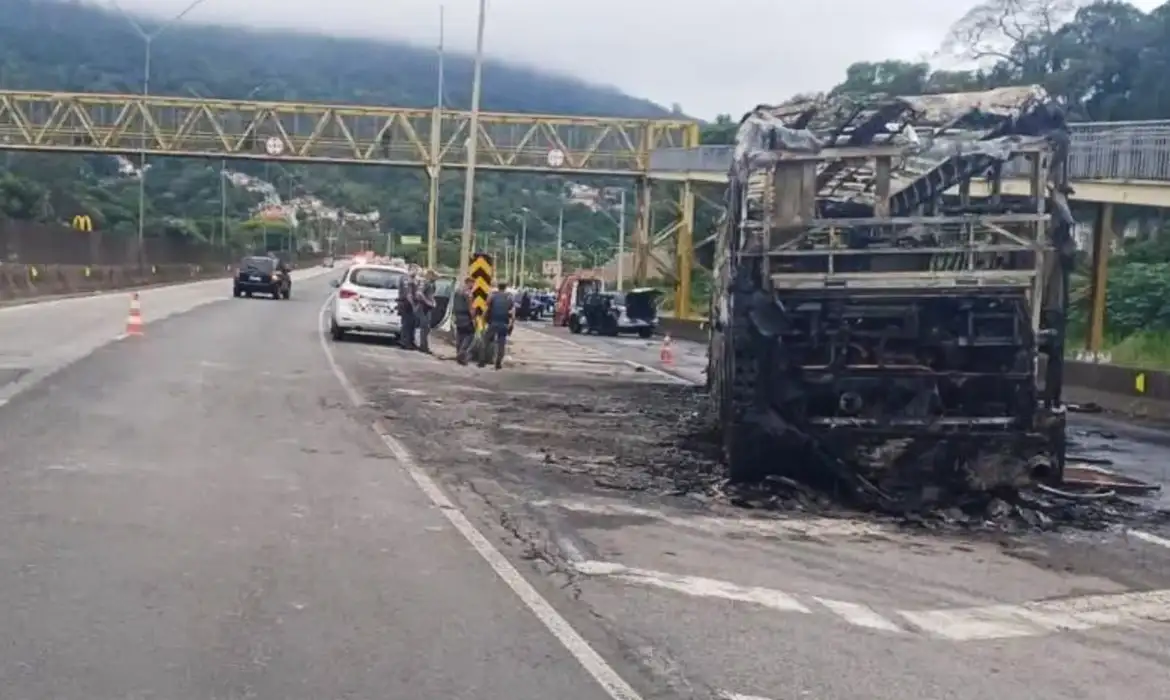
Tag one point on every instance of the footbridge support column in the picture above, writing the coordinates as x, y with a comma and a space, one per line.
642, 194
1102, 242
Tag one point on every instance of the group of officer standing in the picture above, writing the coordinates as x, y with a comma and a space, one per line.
499, 319
416, 302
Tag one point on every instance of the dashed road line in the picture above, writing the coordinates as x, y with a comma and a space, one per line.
767, 527
1042, 617
859, 615
1149, 538
696, 586
998, 621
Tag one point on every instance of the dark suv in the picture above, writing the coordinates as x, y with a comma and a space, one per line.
262, 274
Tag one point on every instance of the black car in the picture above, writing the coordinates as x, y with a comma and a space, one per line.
263, 274
611, 313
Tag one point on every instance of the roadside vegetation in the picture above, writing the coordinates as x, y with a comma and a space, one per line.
1108, 61
71, 46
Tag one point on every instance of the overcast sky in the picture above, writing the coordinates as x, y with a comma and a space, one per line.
708, 57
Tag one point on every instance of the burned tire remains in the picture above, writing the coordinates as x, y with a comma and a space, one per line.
872, 325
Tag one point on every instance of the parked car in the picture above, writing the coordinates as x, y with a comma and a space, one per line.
366, 301
612, 313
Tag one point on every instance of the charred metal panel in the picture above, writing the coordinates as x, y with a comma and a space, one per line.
863, 325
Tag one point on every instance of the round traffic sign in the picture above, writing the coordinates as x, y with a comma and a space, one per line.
556, 157
274, 146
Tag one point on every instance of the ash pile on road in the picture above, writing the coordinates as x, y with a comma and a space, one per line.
547, 433
663, 440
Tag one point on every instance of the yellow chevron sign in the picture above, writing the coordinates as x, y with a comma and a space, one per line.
480, 271
81, 222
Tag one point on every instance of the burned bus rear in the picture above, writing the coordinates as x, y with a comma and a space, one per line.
874, 318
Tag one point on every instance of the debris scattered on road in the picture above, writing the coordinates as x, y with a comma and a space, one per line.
540, 430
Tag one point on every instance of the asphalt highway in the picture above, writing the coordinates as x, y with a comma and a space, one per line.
234, 507
200, 514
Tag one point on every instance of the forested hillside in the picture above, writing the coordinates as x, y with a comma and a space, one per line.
52, 45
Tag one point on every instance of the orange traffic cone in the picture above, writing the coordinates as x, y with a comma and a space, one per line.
134, 319
666, 354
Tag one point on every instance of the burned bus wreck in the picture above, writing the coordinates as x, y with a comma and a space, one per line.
873, 323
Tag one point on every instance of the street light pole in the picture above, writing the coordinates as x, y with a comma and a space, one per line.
621, 242
223, 232
507, 257
523, 247
472, 145
434, 172
148, 41
560, 243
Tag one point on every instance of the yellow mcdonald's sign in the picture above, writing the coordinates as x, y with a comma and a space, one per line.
81, 222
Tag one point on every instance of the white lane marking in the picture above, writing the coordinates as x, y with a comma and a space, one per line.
859, 615
999, 621
594, 351
605, 675
808, 527
1041, 617
696, 586
1149, 538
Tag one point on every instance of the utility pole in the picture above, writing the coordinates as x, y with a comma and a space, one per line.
507, 257
433, 170
516, 260
148, 42
223, 202
523, 248
560, 243
472, 146
621, 242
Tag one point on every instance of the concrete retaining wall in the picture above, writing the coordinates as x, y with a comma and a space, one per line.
27, 282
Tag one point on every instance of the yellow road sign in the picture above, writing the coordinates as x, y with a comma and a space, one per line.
1139, 383
81, 222
480, 271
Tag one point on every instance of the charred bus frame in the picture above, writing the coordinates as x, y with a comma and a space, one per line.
898, 343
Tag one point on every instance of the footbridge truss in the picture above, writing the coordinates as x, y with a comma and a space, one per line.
431, 139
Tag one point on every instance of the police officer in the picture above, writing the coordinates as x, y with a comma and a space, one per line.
463, 316
406, 294
501, 313
424, 302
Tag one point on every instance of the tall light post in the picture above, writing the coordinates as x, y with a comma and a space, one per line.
148, 42
560, 244
472, 145
523, 245
621, 227
434, 172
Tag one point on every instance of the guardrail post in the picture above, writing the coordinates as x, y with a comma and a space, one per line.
1102, 240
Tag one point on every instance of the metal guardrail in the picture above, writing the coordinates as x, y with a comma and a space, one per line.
1098, 151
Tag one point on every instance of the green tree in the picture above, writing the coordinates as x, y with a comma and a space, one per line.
71, 46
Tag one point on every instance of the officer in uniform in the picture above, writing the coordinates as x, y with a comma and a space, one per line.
463, 316
501, 314
406, 295
424, 302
